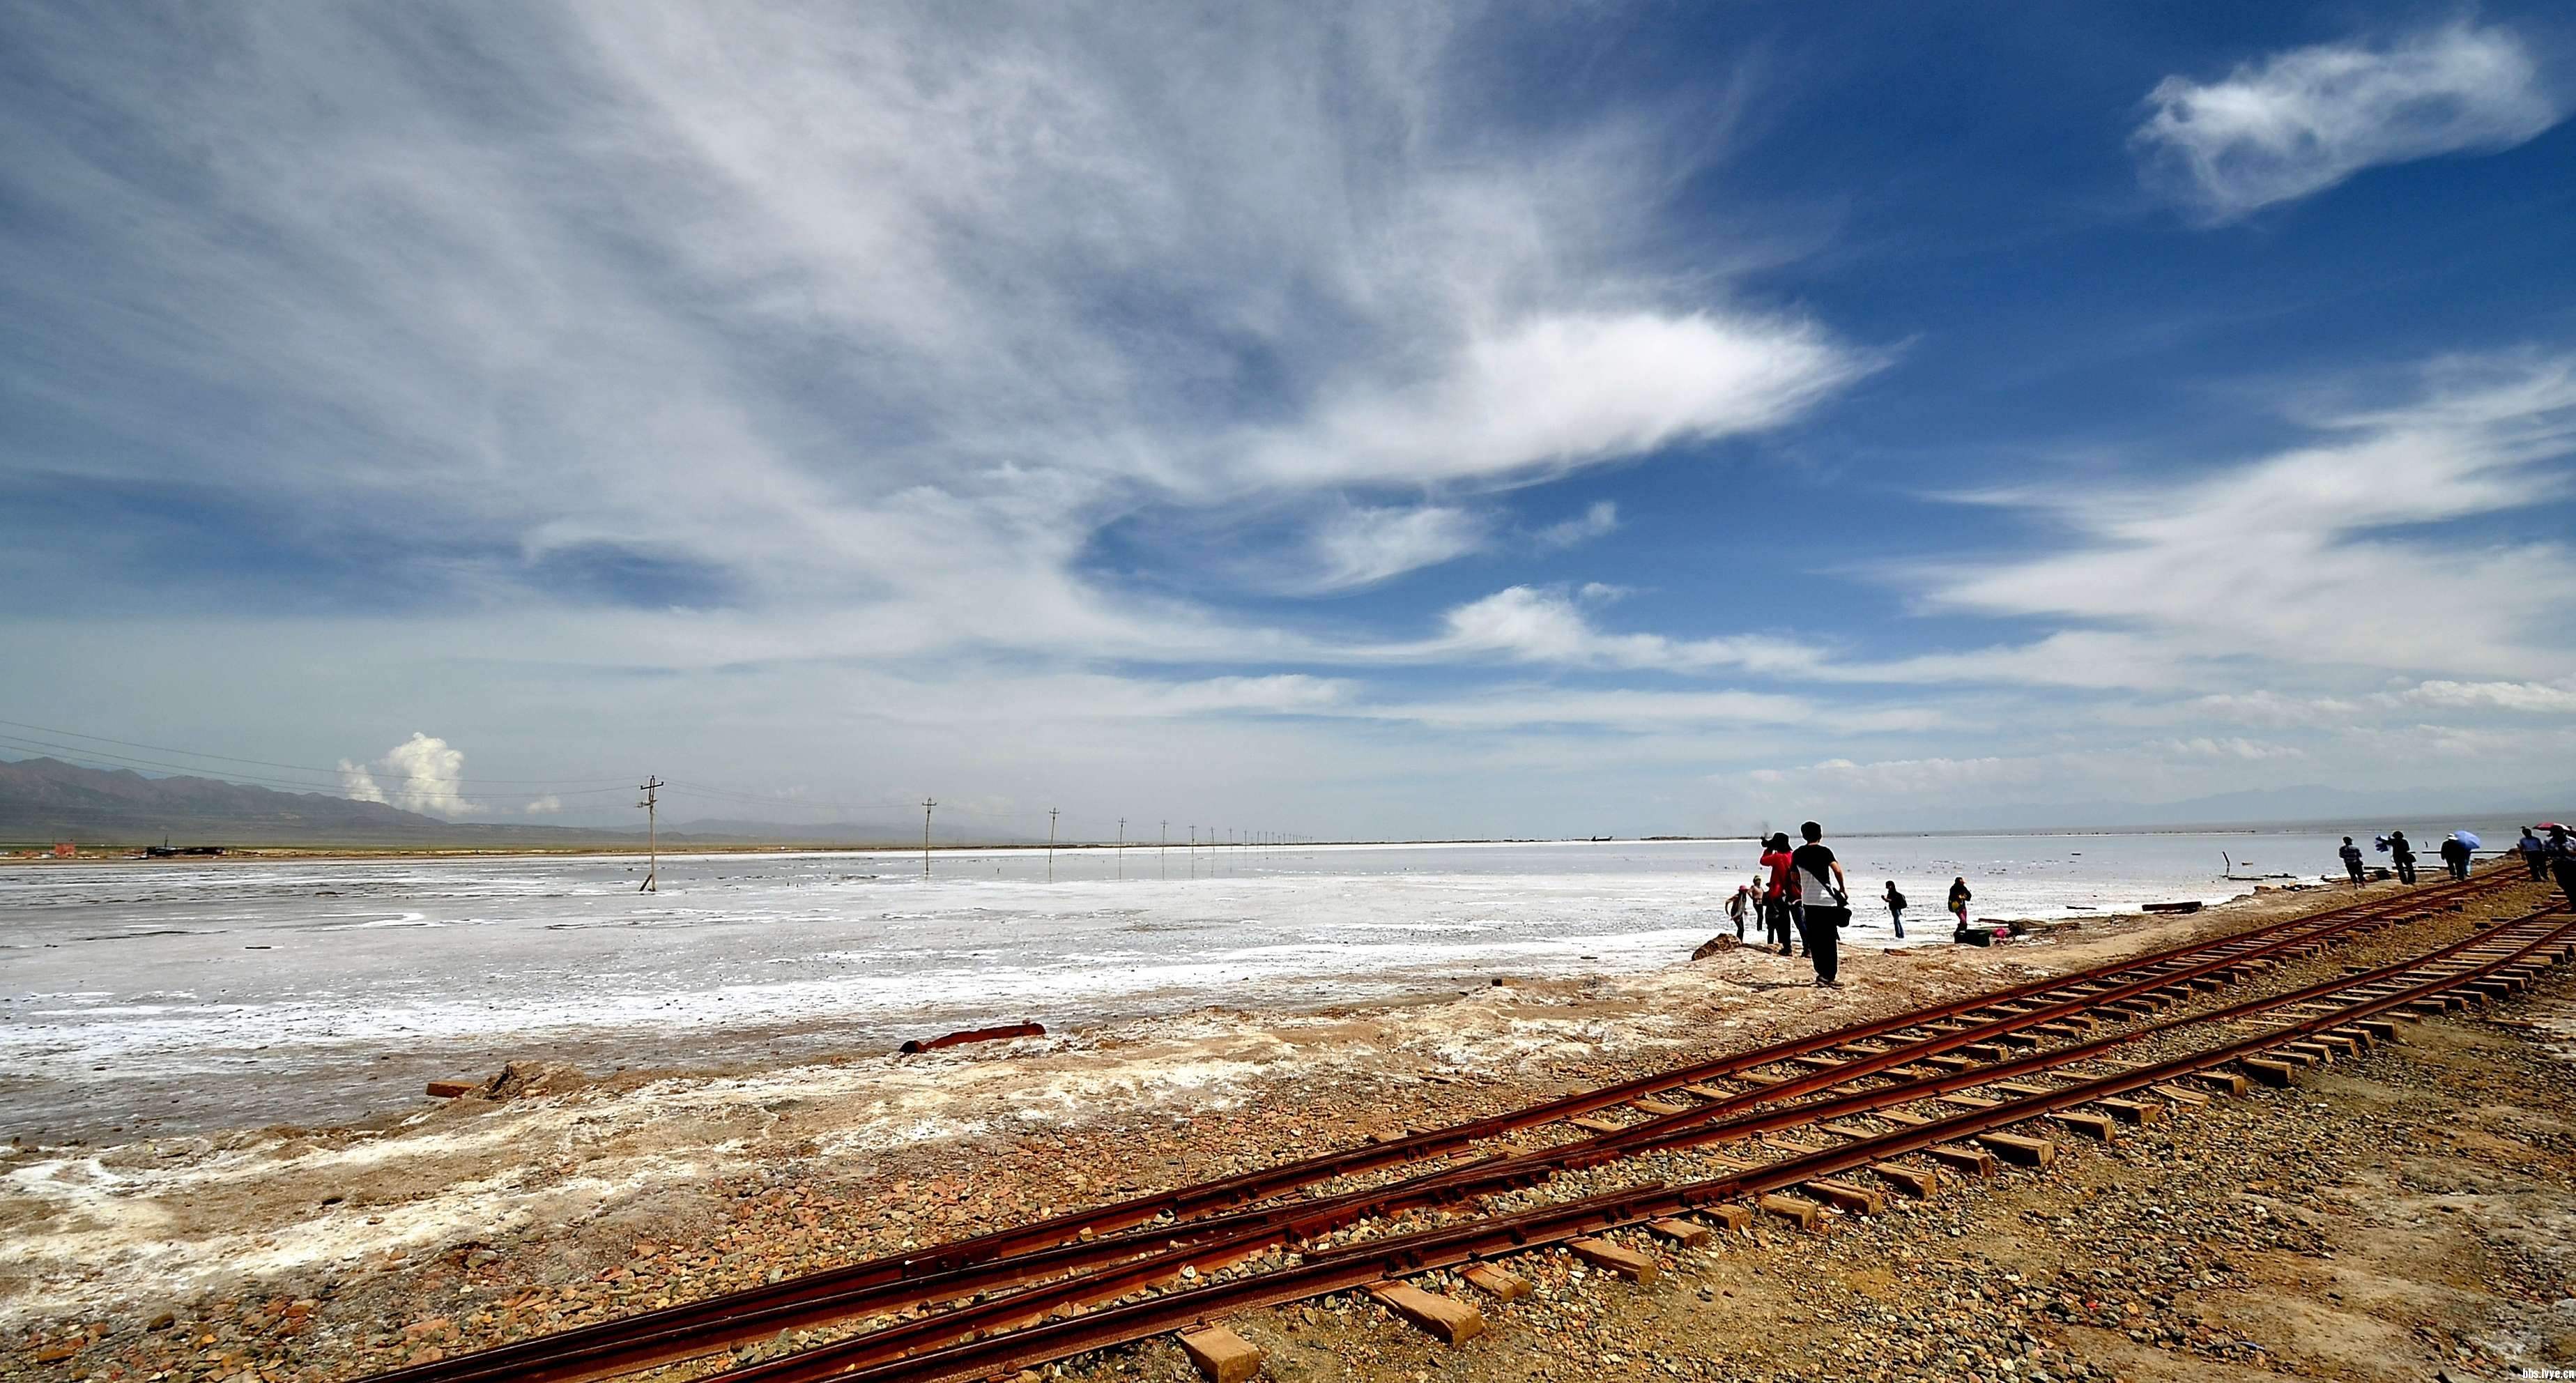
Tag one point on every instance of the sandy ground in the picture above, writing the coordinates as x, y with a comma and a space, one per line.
326, 1253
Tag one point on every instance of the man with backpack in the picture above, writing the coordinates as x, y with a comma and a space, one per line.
2351, 860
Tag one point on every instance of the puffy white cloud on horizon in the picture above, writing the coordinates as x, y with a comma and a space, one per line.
426, 776
2301, 121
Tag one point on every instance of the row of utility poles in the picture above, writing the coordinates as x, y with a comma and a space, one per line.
1236, 839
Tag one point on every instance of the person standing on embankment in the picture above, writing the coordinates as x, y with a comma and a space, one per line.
2401, 853
1896, 909
2351, 860
1824, 902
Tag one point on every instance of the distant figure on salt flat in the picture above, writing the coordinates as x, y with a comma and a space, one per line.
1896, 909
2351, 860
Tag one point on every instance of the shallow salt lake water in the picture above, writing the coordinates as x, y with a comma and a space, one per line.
162, 996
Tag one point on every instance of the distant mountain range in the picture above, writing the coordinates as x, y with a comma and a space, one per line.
47, 800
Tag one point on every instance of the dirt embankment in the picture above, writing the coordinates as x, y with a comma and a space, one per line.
2401, 1210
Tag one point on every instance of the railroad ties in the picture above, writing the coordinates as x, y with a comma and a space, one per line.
1796, 1136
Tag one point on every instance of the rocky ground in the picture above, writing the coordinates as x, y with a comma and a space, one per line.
2398, 1216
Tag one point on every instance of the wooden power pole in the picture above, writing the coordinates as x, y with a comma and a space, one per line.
652, 839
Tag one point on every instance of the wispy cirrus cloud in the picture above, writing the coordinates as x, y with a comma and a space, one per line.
2295, 557
1598, 520
2302, 121
1363, 546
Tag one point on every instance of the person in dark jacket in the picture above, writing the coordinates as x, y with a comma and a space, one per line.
1896, 909
2455, 856
2351, 860
2401, 853
2535, 854
2562, 862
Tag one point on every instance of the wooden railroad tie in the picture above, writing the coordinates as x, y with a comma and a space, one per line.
1618, 1258
1658, 1107
2225, 1082
1842, 1195
2269, 1072
1899, 1116
2133, 1111
2092, 1125
2013, 1147
1444, 1318
1220, 1355
1922, 1183
2188, 1099
1976, 1162
1501, 1284
1730, 1214
1706, 1092
1592, 1125
1690, 1234
1805, 1214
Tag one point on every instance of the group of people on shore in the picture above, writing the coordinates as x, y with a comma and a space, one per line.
1802, 899
2544, 857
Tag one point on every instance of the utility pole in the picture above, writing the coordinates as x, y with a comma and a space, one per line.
926, 804
652, 840
1122, 847
1050, 845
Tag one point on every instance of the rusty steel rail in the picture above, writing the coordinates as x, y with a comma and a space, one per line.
1017, 1309
1048, 1247
1357, 1265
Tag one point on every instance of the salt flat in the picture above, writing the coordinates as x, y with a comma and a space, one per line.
165, 996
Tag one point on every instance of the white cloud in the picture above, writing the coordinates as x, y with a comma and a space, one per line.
1361, 547
1555, 392
2302, 121
2303, 557
2536, 697
1534, 625
1034, 279
548, 805
1598, 521
425, 774
2270, 708
357, 784
2227, 747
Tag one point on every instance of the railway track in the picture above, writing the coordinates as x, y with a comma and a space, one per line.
1008, 1294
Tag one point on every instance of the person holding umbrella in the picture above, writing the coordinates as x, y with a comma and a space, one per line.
2455, 853
2401, 853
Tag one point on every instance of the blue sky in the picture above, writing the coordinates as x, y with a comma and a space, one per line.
1393, 419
